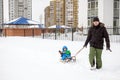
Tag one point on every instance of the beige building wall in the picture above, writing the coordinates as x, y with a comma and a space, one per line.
60, 12
52, 13
64, 12
75, 13
71, 13
47, 16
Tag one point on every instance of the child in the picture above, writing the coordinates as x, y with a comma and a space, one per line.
65, 53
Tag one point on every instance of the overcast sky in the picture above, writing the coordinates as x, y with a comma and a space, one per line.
37, 9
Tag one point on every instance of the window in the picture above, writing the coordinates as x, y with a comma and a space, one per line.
89, 22
116, 12
114, 22
89, 6
92, 10
96, 4
89, 13
116, 0
92, 4
116, 4
96, 12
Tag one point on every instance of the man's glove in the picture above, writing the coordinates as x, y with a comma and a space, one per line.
84, 46
109, 49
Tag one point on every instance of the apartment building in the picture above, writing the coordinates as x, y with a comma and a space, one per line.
18, 8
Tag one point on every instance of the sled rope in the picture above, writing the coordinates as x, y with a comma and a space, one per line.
79, 51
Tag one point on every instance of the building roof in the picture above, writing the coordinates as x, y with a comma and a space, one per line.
22, 21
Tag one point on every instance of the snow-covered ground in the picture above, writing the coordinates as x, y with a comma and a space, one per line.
26, 58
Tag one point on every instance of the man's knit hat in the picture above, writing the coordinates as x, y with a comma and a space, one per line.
95, 19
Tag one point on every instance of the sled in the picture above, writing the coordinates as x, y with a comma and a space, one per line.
72, 59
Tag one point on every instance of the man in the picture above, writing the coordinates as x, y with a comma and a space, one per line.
96, 35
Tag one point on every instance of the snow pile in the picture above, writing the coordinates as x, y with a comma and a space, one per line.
37, 59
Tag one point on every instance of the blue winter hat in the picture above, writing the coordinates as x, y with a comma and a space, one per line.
64, 47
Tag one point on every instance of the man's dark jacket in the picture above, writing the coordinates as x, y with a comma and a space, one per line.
96, 35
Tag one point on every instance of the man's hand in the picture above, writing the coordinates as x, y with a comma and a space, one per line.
109, 49
84, 46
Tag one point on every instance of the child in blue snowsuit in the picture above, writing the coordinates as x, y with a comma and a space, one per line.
65, 54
